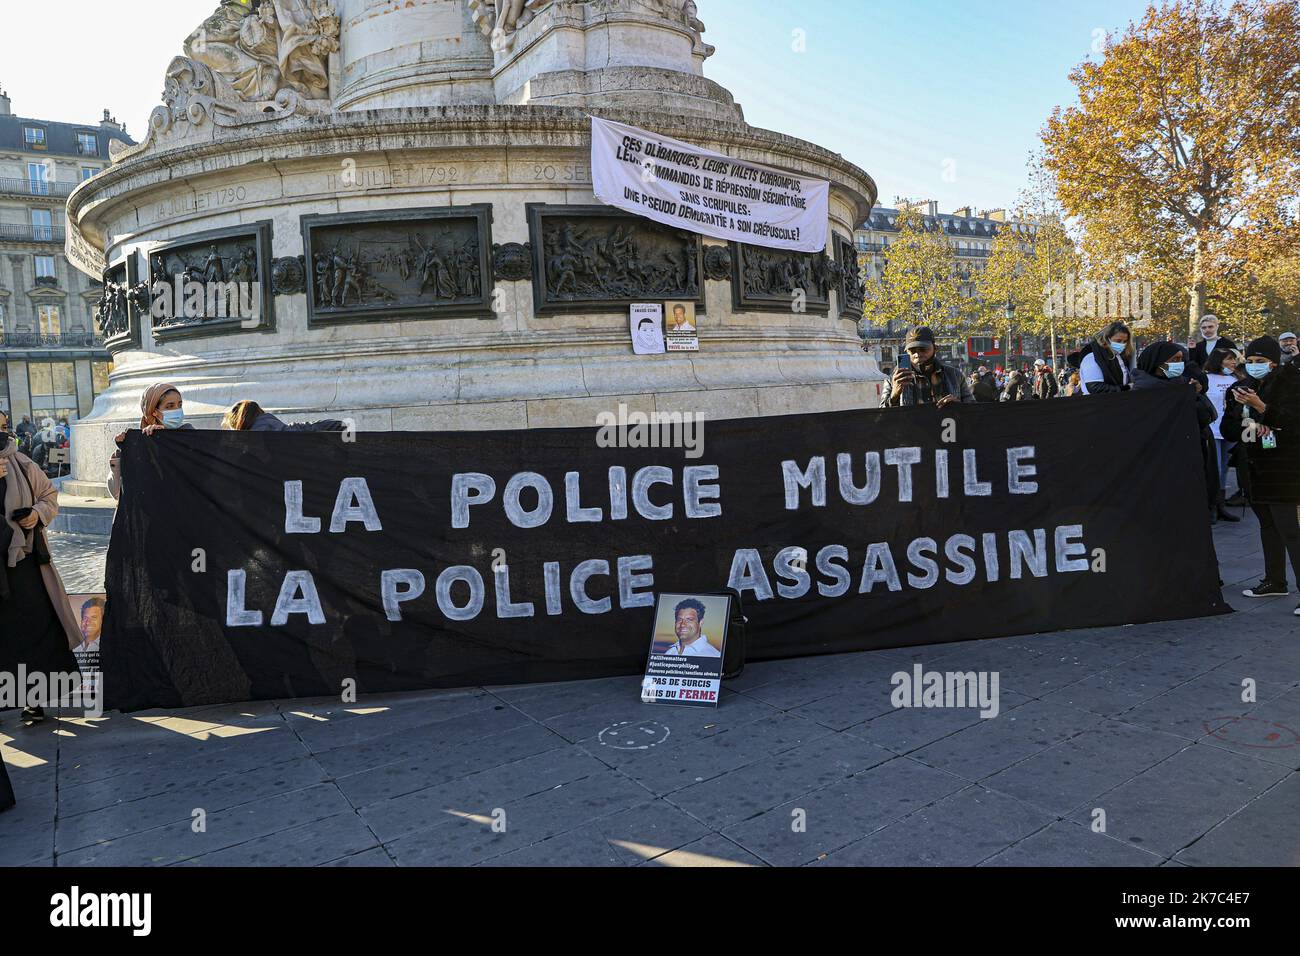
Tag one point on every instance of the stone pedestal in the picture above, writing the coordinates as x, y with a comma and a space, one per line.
380, 178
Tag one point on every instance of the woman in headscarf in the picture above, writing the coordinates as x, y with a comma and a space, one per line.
161, 409
248, 416
1104, 363
37, 627
1161, 363
1265, 417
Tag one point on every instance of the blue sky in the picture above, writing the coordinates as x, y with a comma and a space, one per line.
911, 90
936, 99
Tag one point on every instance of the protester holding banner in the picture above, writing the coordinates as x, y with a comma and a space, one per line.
37, 627
248, 416
1104, 363
161, 408
927, 381
1265, 416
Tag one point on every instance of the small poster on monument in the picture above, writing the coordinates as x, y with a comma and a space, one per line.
647, 321
685, 662
680, 331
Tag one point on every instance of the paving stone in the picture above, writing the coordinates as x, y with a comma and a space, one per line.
413, 742
1078, 770
175, 842
368, 858
1269, 732
471, 839
346, 724
313, 844
960, 830
588, 723
166, 771
1065, 843
1262, 833
1169, 806
842, 813
992, 745
713, 850
679, 763
444, 763
641, 833
497, 787
736, 796
121, 819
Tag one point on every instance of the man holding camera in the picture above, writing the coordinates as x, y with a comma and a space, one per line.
921, 379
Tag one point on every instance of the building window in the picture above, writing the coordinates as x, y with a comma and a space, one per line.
42, 225
38, 175
44, 268
99, 372
48, 317
53, 391
88, 144
87, 172
34, 137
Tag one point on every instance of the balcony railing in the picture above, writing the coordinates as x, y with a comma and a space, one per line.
24, 233
50, 340
37, 187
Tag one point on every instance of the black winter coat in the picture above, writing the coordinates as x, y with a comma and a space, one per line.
1274, 472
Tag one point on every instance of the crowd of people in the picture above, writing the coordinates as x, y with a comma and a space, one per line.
1247, 404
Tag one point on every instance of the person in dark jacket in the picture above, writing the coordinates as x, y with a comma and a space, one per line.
248, 416
1210, 341
928, 381
1017, 388
1265, 417
985, 387
1104, 363
1045, 384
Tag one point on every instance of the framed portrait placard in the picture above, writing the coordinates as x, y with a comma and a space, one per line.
686, 650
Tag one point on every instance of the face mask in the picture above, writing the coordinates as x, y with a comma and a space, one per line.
173, 418
1257, 369
4, 440
1174, 369
1118, 347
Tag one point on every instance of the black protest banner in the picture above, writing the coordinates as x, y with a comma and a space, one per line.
261, 565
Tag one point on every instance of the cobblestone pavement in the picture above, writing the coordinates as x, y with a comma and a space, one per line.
1129, 746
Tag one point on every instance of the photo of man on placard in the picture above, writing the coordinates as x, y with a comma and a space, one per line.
681, 317
690, 639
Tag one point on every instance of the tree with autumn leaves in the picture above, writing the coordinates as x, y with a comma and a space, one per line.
1181, 160
919, 285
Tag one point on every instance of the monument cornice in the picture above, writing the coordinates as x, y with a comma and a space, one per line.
151, 166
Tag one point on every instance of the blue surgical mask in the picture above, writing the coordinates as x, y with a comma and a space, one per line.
1118, 347
173, 417
1257, 369
1174, 369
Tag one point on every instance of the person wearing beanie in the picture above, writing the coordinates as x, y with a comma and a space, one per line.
1264, 414
923, 379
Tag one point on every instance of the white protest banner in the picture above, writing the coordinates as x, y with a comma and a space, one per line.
696, 189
